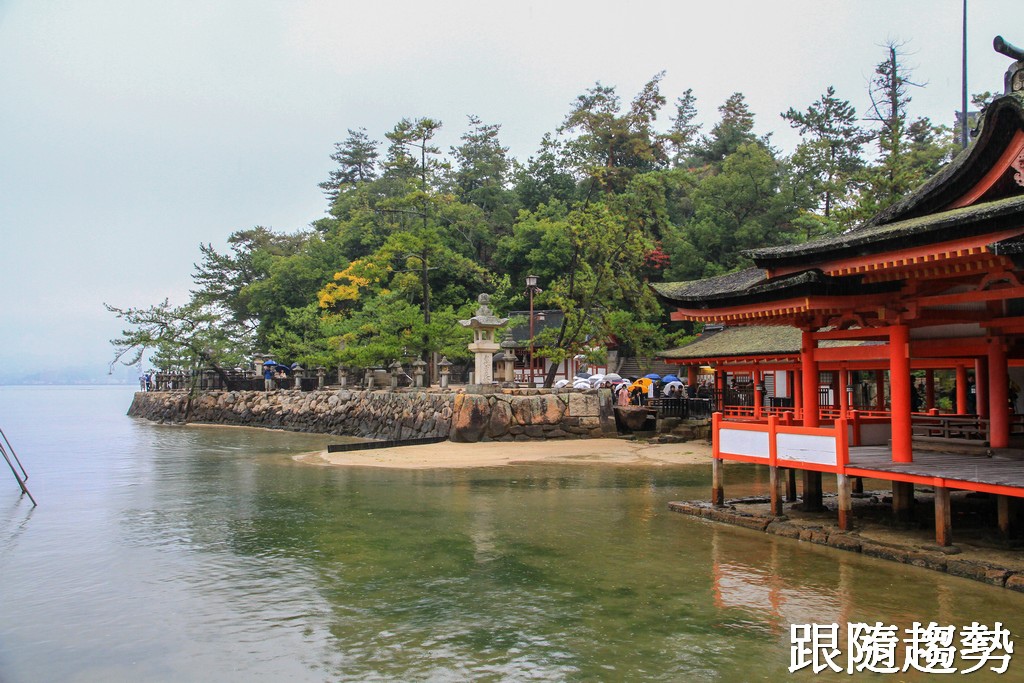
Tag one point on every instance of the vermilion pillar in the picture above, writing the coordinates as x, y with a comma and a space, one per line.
998, 394
961, 390
929, 389
809, 366
691, 375
757, 394
899, 390
844, 397
981, 402
798, 394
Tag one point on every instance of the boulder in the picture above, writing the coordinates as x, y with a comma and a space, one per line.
470, 417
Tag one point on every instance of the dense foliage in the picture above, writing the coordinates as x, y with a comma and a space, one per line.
610, 201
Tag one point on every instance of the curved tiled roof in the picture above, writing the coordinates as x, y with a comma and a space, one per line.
960, 222
752, 286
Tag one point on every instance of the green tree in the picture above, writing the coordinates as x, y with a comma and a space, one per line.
357, 163
739, 208
184, 338
546, 177
226, 280
734, 128
682, 136
828, 158
609, 145
590, 259
892, 176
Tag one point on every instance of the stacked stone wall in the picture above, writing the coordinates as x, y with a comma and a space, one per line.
393, 415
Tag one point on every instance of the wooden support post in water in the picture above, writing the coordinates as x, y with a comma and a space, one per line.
717, 490
903, 501
1006, 507
858, 485
791, 485
845, 502
775, 486
943, 518
812, 492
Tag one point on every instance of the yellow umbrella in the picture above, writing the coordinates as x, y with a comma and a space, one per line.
643, 383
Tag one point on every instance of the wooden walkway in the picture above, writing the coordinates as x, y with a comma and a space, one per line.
996, 470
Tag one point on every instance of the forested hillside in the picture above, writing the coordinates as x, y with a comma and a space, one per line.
623, 192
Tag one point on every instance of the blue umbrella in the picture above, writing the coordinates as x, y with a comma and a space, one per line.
270, 362
670, 378
653, 376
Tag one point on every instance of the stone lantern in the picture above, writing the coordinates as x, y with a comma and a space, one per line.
508, 361
395, 369
257, 361
484, 324
368, 378
446, 368
342, 375
418, 371
321, 376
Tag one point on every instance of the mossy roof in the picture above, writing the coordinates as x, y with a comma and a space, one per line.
752, 286
748, 340
962, 222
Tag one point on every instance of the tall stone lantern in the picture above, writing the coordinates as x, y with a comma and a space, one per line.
484, 324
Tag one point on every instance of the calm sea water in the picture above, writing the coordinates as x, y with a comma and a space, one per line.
162, 553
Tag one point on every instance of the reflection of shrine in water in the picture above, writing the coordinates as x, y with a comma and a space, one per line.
746, 578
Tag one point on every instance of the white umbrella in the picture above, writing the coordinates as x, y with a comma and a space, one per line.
671, 385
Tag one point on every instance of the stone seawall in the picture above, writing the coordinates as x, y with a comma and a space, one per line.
398, 415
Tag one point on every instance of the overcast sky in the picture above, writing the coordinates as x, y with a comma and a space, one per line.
131, 130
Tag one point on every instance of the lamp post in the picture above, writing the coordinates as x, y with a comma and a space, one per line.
532, 288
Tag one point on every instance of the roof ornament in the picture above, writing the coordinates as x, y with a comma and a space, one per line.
1013, 81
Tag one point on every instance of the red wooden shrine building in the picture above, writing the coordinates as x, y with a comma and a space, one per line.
932, 284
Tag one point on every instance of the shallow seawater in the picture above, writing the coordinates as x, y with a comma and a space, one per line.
163, 553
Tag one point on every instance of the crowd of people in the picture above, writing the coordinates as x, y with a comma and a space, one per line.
639, 391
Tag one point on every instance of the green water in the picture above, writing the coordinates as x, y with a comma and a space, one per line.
182, 554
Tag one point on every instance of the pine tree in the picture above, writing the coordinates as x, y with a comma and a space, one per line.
357, 163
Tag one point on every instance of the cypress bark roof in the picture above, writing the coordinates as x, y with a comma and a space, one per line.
962, 222
752, 286
748, 340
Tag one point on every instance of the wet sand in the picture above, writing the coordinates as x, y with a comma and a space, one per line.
497, 453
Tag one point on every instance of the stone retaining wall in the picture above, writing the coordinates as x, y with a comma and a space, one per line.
936, 559
394, 415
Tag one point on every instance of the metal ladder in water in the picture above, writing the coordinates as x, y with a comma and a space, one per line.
22, 477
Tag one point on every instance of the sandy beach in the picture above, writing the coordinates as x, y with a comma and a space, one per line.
497, 453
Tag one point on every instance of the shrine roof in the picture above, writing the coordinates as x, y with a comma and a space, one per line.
752, 286
748, 340
999, 122
954, 223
